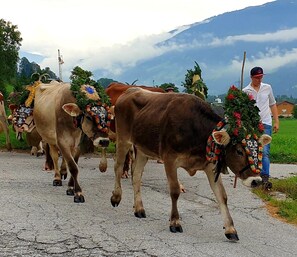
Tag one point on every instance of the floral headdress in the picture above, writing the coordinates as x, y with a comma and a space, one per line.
244, 125
242, 115
92, 99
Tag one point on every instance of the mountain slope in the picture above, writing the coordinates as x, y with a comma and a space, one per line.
268, 34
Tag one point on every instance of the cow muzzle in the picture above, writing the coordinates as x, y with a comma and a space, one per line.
252, 181
100, 141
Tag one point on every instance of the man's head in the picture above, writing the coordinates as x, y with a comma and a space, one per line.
257, 72
256, 75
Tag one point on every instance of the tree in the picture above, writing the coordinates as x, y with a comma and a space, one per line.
165, 86
10, 42
194, 83
105, 82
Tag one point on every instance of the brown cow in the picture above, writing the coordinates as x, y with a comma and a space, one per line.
3, 123
60, 123
22, 121
114, 91
175, 128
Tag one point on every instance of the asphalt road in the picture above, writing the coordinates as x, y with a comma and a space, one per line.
37, 219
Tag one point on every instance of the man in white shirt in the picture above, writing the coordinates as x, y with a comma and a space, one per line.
263, 95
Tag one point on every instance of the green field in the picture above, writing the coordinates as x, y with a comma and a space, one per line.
284, 143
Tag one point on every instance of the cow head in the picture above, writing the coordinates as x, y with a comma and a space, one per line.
21, 119
244, 158
94, 121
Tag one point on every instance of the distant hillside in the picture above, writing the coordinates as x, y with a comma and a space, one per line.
268, 34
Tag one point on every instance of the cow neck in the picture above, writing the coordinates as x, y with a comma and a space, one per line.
214, 151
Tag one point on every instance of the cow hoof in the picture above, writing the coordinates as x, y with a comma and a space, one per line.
39, 154
57, 183
140, 214
114, 203
69, 191
102, 167
176, 229
115, 200
79, 199
232, 237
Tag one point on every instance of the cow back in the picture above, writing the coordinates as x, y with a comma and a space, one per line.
179, 123
116, 89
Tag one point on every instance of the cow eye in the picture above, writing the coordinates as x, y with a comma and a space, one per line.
239, 152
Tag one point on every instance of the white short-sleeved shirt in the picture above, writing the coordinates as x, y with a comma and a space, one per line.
264, 99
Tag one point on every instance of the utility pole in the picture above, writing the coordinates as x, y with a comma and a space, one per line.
60, 61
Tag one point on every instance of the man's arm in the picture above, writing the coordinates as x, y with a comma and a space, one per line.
275, 117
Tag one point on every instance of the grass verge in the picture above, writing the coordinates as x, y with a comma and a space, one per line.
284, 208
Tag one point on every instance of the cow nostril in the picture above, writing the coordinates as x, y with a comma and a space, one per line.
256, 183
104, 143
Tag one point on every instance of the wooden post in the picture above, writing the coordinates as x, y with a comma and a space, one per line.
242, 70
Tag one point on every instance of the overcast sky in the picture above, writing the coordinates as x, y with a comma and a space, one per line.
98, 33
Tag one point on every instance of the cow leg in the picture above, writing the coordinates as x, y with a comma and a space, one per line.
126, 168
121, 151
73, 185
49, 164
103, 161
55, 157
221, 196
136, 172
40, 150
174, 189
63, 169
33, 150
6, 132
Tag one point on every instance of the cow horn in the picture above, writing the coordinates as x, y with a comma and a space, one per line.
265, 139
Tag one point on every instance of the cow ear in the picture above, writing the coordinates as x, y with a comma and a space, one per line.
265, 139
72, 109
221, 137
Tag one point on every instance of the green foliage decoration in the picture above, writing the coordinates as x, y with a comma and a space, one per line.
242, 115
81, 77
197, 87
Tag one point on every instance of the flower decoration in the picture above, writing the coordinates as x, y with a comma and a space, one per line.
254, 151
242, 115
31, 89
91, 98
101, 114
90, 92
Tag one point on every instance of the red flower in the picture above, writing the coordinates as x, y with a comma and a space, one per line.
251, 97
261, 127
230, 97
237, 115
233, 87
235, 132
238, 123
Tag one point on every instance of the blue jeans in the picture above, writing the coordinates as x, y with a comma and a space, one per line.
266, 152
